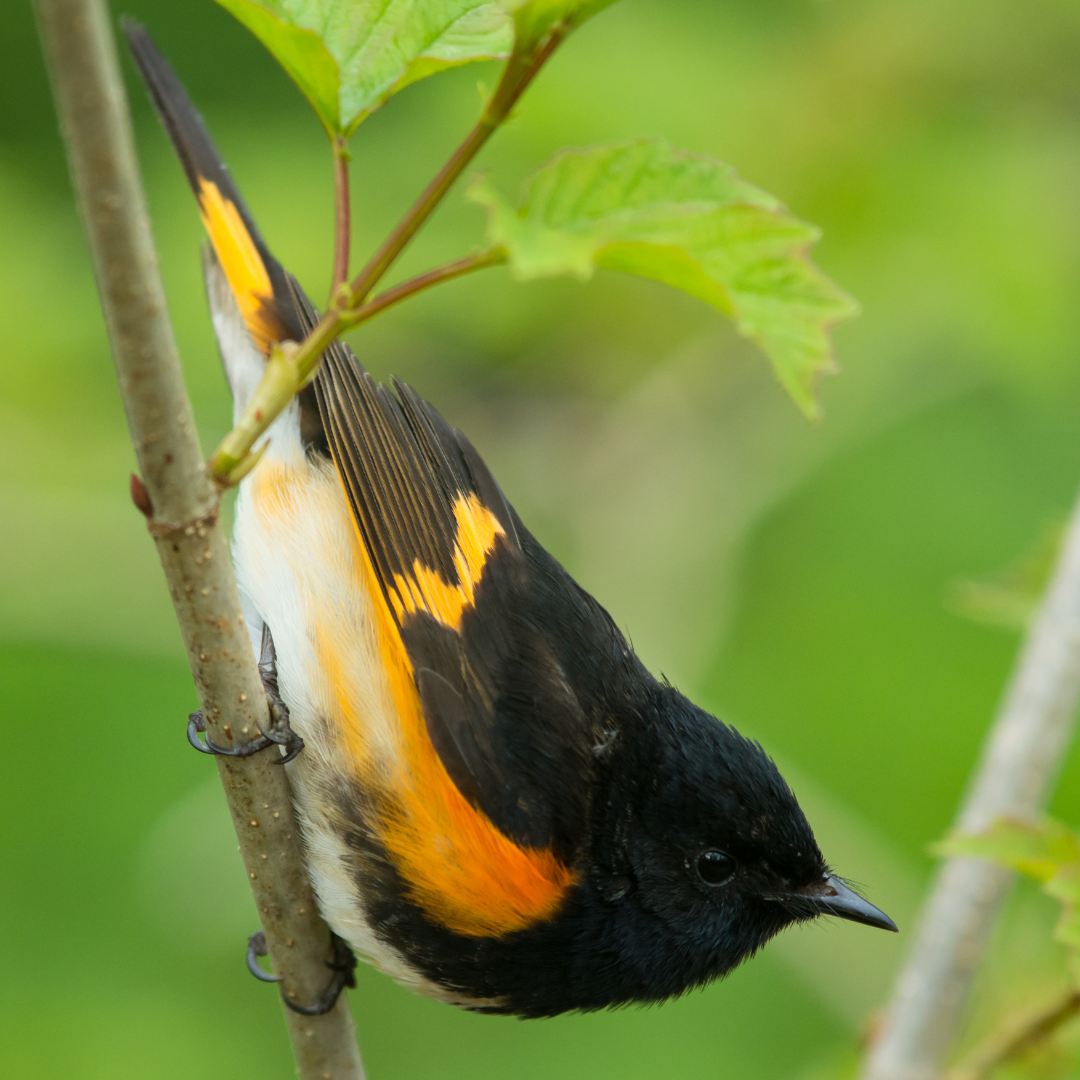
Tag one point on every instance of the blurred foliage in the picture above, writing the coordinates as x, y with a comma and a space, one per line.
1047, 852
1010, 597
790, 577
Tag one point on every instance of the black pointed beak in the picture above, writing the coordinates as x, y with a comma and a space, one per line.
833, 897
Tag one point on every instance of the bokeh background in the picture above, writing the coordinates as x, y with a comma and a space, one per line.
805, 582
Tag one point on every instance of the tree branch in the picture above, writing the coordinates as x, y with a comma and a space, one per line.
183, 518
1020, 762
379, 304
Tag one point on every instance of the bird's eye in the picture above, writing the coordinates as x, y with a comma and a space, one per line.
715, 867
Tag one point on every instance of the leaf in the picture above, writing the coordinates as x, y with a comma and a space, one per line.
1037, 851
686, 220
349, 56
1048, 852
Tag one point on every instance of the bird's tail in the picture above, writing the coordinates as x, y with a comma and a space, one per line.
256, 279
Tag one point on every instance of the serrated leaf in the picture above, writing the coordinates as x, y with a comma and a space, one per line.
1038, 851
370, 49
689, 221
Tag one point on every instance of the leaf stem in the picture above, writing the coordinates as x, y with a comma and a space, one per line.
478, 261
999, 1050
291, 367
342, 215
518, 74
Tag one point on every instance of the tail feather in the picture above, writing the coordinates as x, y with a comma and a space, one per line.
258, 282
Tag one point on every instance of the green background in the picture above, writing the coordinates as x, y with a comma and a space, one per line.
795, 579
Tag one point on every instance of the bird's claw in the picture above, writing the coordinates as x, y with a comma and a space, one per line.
343, 965
256, 948
278, 732
197, 723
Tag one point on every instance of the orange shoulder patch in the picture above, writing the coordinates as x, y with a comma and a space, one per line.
424, 590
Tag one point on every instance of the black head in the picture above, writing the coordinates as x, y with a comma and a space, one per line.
703, 853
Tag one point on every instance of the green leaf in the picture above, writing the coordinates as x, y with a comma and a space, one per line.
1048, 852
1037, 851
689, 221
350, 56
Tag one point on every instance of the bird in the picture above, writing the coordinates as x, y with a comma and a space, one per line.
501, 807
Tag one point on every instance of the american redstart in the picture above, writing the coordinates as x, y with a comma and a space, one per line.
501, 807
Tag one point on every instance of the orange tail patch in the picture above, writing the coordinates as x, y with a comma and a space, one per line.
243, 266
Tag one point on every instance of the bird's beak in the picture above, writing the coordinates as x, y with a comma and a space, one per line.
833, 897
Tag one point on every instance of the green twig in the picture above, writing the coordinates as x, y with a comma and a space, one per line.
471, 263
518, 74
291, 367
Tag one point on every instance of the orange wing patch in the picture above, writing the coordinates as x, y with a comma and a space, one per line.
243, 266
425, 590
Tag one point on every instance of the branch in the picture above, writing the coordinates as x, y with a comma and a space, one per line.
518, 74
385, 300
1020, 762
183, 517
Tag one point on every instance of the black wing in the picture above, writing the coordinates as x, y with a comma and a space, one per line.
486, 617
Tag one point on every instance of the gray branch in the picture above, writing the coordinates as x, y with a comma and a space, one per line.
183, 521
1020, 763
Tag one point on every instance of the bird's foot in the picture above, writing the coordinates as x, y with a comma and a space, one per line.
277, 732
196, 724
343, 965
256, 948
